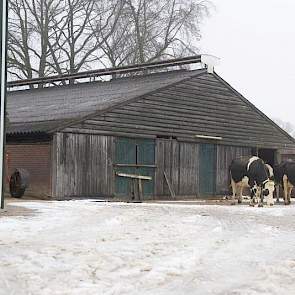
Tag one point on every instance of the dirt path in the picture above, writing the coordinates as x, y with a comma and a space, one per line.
11, 210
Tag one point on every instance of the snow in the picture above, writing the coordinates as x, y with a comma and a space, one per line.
85, 247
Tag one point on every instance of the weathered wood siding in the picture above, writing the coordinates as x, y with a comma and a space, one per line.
201, 105
286, 154
225, 154
83, 165
167, 160
180, 162
290, 157
188, 168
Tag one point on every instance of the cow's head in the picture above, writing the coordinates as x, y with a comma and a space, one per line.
255, 194
268, 188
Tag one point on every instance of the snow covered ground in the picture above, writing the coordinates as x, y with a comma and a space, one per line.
84, 247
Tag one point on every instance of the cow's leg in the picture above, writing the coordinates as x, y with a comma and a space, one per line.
260, 197
278, 193
285, 183
252, 185
256, 197
252, 196
240, 198
234, 189
270, 199
290, 187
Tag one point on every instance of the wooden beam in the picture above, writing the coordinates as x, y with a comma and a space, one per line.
172, 193
135, 165
134, 176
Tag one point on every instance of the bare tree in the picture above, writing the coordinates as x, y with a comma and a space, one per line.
73, 41
287, 126
30, 24
53, 36
150, 29
112, 33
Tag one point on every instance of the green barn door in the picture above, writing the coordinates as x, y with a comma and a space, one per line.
134, 156
125, 157
146, 161
207, 170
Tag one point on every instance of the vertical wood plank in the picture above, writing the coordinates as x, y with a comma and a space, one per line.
188, 169
54, 167
83, 165
175, 166
159, 161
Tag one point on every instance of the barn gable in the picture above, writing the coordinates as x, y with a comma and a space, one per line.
203, 104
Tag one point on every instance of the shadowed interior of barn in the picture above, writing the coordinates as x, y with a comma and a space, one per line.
178, 130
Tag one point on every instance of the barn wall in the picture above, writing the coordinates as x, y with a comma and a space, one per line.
167, 160
202, 105
288, 157
36, 159
287, 154
83, 165
225, 154
188, 168
180, 161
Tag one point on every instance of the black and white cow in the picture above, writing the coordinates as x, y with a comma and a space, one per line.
254, 173
284, 174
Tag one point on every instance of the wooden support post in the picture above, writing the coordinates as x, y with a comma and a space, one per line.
140, 193
3, 75
133, 189
139, 179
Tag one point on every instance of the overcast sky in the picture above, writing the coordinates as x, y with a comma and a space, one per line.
255, 40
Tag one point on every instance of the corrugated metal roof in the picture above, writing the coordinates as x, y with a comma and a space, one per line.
34, 127
42, 110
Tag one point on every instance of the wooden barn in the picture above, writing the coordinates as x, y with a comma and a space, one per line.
176, 130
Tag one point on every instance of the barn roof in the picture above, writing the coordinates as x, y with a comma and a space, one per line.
179, 103
44, 110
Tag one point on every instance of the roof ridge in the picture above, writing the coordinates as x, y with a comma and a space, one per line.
101, 82
109, 71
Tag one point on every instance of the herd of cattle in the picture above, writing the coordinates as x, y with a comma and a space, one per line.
262, 179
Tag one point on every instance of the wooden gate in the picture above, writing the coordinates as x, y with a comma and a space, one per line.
134, 156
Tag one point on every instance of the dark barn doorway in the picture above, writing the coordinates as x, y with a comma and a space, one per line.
267, 155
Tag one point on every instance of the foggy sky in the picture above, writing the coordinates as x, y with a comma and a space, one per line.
255, 40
